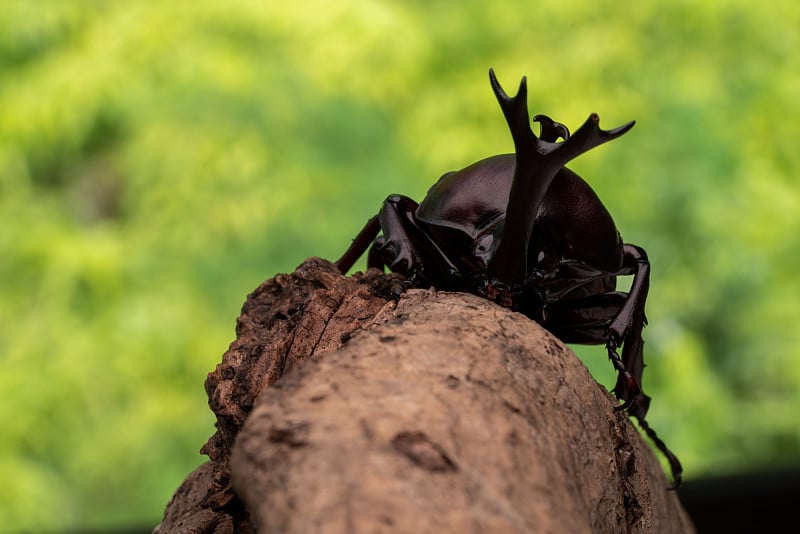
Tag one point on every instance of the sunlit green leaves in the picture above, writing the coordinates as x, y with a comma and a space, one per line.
159, 160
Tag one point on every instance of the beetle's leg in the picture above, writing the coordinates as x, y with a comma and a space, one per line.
397, 248
613, 318
627, 388
537, 163
586, 321
628, 324
406, 249
634, 261
616, 319
359, 245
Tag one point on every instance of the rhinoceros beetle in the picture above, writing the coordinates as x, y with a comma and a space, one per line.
524, 231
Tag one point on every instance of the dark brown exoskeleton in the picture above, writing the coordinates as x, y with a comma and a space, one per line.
526, 232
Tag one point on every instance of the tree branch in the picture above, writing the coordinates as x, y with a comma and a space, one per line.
440, 412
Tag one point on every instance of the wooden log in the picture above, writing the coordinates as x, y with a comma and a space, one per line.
439, 412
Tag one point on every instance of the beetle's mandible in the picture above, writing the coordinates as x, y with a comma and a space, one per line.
526, 232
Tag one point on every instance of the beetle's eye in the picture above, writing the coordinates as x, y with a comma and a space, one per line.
483, 243
483, 247
540, 257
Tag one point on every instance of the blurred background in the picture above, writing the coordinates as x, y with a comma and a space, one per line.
159, 160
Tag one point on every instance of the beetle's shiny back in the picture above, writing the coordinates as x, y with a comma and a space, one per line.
571, 223
471, 199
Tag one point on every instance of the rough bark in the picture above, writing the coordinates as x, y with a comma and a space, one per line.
287, 320
437, 412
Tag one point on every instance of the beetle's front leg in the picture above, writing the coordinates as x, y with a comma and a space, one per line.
406, 248
397, 247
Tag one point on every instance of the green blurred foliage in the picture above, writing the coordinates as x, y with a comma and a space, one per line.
158, 160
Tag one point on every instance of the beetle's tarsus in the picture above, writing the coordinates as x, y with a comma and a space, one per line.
631, 390
399, 289
402, 286
635, 402
627, 403
674, 464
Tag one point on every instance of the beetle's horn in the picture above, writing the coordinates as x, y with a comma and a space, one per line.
551, 130
516, 112
588, 136
538, 161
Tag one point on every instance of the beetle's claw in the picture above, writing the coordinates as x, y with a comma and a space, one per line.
626, 404
402, 286
399, 288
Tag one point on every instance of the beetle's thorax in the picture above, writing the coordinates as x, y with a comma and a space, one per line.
471, 199
465, 213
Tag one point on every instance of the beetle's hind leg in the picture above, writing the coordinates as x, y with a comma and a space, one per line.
626, 328
585, 321
630, 390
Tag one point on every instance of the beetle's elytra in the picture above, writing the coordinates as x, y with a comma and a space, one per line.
526, 232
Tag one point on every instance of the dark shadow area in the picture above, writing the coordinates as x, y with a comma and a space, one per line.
743, 503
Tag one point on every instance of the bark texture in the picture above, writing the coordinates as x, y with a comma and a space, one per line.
287, 320
439, 412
